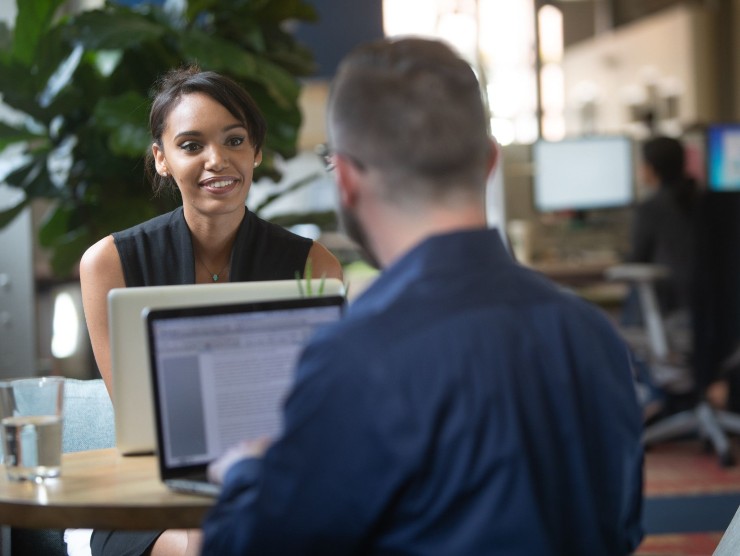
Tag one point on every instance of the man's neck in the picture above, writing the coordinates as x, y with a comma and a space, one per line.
401, 231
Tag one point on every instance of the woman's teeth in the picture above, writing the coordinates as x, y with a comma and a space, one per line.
220, 184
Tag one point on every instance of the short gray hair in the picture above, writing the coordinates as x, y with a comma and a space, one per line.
412, 109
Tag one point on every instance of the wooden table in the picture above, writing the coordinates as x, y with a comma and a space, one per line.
100, 489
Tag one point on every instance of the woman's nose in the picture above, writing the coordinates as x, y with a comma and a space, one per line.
216, 160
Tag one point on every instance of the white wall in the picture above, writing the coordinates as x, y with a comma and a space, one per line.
668, 51
17, 287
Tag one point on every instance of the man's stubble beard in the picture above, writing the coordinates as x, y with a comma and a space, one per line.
351, 226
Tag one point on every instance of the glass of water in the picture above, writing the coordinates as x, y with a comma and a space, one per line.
31, 427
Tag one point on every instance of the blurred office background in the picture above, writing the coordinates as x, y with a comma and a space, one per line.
567, 70
573, 87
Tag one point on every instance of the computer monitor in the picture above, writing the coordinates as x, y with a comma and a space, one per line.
584, 173
723, 157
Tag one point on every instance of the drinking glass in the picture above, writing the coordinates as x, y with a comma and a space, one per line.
31, 427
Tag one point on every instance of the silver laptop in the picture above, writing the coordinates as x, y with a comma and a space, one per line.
220, 375
132, 396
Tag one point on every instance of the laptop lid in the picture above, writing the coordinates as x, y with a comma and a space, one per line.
132, 399
220, 375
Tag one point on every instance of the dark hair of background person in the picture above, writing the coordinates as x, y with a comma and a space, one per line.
171, 86
413, 110
666, 156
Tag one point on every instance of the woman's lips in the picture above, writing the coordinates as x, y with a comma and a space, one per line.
220, 184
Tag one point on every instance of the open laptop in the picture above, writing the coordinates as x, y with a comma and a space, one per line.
132, 397
220, 374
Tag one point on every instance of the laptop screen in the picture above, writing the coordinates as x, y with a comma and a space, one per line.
221, 373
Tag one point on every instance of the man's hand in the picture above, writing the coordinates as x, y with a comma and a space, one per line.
248, 449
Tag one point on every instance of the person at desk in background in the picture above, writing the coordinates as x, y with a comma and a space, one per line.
465, 404
207, 137
663, 224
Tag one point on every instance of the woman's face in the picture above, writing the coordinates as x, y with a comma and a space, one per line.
647, 176
209, 155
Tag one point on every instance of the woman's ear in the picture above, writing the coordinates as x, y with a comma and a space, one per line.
160, 164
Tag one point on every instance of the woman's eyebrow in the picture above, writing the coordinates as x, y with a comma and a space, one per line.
195, 133
188, 133
233, 126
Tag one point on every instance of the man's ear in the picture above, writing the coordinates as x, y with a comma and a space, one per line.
493, 159
346, 176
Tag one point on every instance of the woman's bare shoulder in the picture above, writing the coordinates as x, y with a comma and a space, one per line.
323, 262
101, 260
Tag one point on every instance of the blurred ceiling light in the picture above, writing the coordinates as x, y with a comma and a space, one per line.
409, 17
551, 33
553, 87
503, 130
497, 37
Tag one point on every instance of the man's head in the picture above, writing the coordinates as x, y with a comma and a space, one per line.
411, 109
409, 133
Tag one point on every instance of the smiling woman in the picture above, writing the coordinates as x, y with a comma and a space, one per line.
210, 155
207, 137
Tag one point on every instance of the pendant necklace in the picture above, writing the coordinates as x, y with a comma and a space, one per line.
214, 275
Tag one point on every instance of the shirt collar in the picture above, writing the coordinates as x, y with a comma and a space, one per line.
435, 255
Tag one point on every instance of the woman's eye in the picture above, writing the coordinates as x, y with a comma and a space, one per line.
190, 147
235, 141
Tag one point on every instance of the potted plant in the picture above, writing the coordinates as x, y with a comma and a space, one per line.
79, 87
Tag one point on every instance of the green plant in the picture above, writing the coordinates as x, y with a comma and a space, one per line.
308, 281
80, 87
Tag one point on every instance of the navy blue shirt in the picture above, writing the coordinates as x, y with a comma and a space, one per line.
464, 406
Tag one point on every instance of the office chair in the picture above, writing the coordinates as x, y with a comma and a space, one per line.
715, 322
650, 338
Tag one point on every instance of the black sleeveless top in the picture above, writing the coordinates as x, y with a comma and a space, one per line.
160, 251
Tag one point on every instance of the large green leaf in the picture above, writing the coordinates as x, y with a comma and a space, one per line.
282, 86
19, 86
125, 118
34, 178
68, 248
31, 23
280, 10
113, 29
100, 111
6, 40
8, 215
10, 135
217, 54
223, 56
196, 7
54, 224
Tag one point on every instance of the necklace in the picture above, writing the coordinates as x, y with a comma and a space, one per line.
214, 275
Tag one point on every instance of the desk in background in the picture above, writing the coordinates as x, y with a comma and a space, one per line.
587, 279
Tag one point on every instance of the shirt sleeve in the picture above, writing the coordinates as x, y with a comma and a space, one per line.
324, 483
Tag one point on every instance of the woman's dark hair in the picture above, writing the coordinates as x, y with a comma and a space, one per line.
170, 88
666, 157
